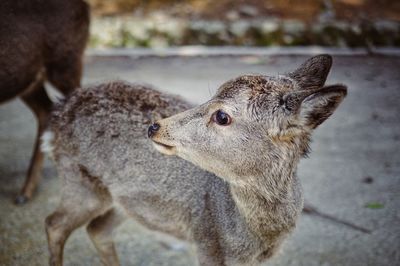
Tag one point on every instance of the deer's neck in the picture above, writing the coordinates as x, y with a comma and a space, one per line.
271, 202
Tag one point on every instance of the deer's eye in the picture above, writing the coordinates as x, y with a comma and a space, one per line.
221, 118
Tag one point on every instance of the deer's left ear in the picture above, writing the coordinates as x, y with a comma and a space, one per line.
312, 74
317, 107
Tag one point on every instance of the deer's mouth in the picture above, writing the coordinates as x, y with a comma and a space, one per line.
164, 148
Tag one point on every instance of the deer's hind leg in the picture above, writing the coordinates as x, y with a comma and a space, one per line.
38, 101
83, 198
101, 230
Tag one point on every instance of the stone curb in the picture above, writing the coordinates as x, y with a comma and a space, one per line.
165, 31
240, 51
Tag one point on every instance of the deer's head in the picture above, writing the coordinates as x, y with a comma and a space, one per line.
253, 121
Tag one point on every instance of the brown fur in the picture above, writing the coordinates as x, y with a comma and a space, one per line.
240, 201
40, 40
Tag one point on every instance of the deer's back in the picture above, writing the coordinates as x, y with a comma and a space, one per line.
115, 112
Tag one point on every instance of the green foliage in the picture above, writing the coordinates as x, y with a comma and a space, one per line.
374, 205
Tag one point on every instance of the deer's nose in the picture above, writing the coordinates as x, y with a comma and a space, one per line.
153, 129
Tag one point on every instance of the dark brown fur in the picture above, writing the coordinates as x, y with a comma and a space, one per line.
40, 40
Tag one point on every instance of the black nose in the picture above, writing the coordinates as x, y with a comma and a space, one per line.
153, 129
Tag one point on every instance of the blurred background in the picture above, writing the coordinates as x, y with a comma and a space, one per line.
352, 175
161, 23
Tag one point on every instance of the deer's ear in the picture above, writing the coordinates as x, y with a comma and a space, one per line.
317, 107
313, 73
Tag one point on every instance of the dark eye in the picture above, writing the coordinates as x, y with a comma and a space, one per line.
221, 118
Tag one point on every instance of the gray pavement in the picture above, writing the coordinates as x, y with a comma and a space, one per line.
362, 139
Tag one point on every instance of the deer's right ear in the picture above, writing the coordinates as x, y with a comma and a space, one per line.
312, 74
317, 107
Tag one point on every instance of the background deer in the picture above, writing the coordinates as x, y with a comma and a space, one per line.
40, 40
241, 202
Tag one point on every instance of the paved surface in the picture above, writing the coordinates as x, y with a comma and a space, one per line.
362, 139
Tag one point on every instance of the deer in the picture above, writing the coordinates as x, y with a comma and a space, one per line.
40, 41
221, 175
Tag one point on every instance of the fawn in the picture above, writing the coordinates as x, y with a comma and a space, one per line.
237, 206
40, 40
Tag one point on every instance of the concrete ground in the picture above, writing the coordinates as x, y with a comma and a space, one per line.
360, 141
